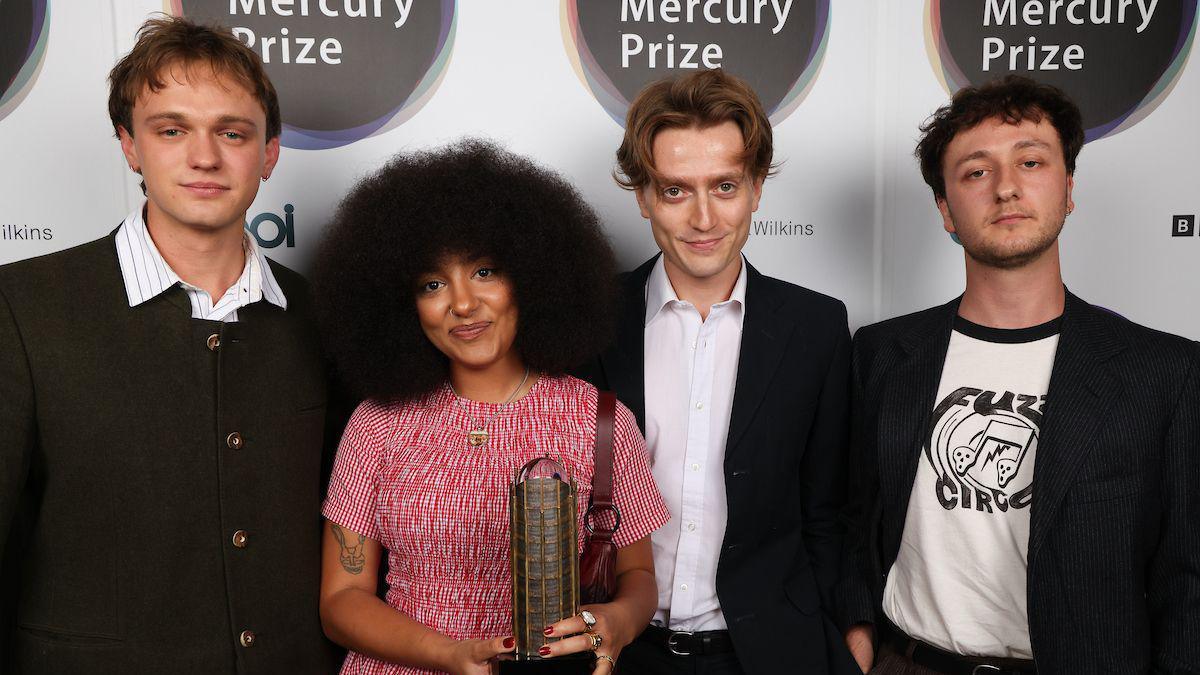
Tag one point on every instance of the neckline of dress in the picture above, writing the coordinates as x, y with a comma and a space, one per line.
448, 397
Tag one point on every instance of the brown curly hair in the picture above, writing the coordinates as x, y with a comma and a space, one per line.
1012, 98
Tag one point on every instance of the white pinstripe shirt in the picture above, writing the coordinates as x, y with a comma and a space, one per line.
147, 274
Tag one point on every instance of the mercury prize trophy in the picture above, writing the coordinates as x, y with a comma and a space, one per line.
545, 567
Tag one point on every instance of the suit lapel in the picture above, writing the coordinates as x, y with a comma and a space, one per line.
1081, 388
906, 404
623, 364
765, 334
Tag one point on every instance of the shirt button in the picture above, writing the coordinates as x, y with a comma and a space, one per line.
695, 467
234, 440
247, 638
691, 527
214, 341
239, 539
700, 406
683, 587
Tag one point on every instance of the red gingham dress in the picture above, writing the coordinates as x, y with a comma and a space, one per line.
406, 477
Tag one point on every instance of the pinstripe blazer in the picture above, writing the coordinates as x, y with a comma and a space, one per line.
1114, 551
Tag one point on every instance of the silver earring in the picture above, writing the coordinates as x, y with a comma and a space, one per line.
264, 179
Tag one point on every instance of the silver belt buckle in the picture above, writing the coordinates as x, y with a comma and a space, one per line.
671, 642
983, 668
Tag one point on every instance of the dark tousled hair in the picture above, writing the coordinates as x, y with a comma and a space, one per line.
1012, 98
704, 98
471, 199
166, 41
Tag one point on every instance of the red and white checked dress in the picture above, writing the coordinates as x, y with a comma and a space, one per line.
406, 477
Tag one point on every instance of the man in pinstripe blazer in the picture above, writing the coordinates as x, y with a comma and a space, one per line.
1027, 464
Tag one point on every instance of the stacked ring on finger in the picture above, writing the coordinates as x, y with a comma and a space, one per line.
589, 620
596, 640
608, 658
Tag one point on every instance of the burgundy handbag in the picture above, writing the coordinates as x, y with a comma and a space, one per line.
598, 563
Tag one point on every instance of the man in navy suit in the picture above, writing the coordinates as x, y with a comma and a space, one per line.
1024, 493
740, 383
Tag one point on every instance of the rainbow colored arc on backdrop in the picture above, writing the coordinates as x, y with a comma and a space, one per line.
593, 77
951, 75
15, 91
322, 139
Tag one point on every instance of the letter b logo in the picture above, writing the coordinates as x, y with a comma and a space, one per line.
1183, 226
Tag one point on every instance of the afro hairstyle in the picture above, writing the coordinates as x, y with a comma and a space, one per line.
471, 199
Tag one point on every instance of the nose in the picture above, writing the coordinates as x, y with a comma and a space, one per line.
203, 152
1006, 184
702, 214
463, 301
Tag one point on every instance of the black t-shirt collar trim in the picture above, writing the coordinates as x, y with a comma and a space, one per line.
1008, 335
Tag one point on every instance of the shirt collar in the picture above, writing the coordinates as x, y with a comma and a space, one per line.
660, 293
146, 273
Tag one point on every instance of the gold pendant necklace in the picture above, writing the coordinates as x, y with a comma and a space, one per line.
478, 436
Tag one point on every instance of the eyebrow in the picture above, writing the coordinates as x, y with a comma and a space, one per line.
1019, 145
731, 177
234, 119
172, 116
222, 120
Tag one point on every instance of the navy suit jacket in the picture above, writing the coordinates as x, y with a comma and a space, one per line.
1114, 543
785, 463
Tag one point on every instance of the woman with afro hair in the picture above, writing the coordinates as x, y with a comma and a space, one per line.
456, 288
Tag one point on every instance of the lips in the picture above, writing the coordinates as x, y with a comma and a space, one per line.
1010, 218
703, 244
205, 189
470, 331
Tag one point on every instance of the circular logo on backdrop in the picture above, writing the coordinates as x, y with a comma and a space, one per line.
24, 26
1118, 59
344, 70
619, 46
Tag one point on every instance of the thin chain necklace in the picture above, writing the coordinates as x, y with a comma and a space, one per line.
479, 435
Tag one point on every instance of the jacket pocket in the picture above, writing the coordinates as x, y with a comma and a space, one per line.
1104, 490
68, 637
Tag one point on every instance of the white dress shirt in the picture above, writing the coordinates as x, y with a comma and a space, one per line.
690, 370
147, 274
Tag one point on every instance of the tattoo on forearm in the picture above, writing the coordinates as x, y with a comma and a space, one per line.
352, 556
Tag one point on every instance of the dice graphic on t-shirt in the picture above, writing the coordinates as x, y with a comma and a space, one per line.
1005, 470
964, 457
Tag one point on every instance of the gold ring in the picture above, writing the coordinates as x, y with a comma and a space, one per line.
595, 639
608, 658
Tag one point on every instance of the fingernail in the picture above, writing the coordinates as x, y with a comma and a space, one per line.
544, 650
548, 631
509, 643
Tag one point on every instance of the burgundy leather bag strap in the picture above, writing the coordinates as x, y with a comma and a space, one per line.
602, 475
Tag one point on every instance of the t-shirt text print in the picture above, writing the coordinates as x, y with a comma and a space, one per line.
959, 581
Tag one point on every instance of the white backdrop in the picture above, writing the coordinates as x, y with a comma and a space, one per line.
876, 240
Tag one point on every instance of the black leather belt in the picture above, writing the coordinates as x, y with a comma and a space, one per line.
928, 656
684, 643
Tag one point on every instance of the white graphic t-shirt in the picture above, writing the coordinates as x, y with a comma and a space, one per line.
959, 581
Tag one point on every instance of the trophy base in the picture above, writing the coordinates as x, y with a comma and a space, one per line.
570, 664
